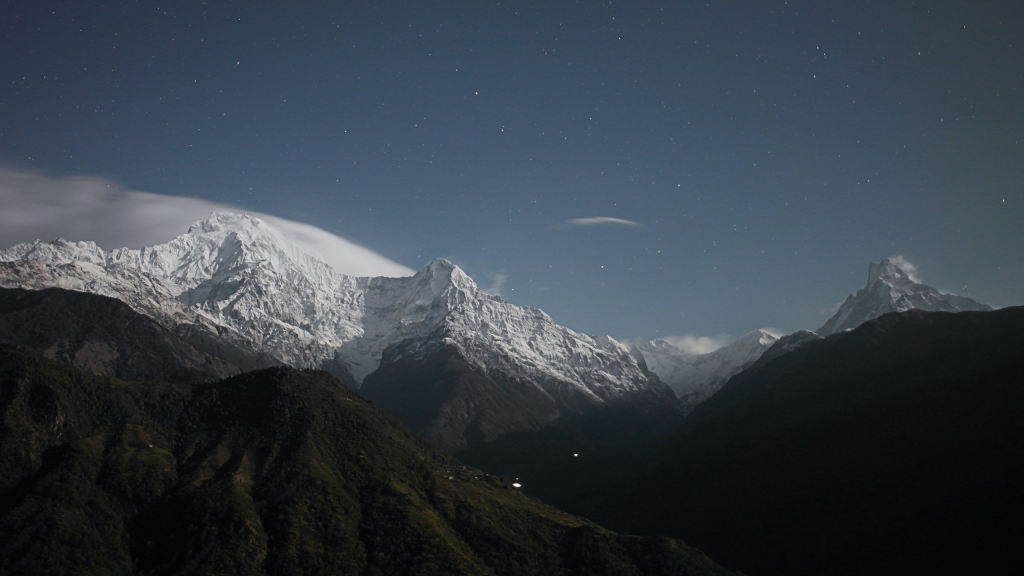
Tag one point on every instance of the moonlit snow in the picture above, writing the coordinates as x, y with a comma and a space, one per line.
236, 274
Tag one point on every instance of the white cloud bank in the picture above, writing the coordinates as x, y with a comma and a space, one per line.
600, 220
906, 266
88, 208
694, 344
698, 345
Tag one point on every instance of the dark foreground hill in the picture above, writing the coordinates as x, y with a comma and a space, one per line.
277, 471
896, 448
565, 462
106, 337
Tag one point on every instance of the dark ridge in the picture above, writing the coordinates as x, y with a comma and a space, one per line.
277, 471
106, 337
895, 448
563, 452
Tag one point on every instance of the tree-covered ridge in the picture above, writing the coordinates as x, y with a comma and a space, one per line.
278, 471
105, 336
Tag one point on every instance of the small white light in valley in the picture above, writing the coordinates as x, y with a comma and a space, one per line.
517, 485
575, 455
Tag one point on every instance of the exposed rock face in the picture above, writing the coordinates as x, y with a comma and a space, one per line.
890, 289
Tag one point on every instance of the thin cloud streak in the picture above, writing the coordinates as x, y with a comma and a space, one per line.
34, 207
596, 220
497, 281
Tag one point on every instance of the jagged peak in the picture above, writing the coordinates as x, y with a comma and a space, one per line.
889, 272
440, 265
609, 344
225, 221
762, 336
441, 273
55, 252
253, 239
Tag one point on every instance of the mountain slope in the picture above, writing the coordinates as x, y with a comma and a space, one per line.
890, 289
696, 377
106, 337
894, 448
277, 471
234, 278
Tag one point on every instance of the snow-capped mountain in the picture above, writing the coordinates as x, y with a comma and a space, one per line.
890, 289
695, 377
236, 277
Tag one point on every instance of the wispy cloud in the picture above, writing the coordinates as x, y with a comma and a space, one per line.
497, 281
598, 220
906, 266
89, 208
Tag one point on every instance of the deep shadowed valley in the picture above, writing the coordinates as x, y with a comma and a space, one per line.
895, 448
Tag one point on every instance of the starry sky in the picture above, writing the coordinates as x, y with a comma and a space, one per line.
640, 169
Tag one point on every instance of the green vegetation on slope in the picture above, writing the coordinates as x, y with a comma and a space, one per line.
105, 336
278, 471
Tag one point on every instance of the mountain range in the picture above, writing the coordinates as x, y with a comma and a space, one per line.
233, 278
885, 442
695, 377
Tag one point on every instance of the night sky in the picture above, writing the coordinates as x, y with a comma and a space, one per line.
757, 155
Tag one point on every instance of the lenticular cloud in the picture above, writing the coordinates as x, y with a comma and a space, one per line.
88, 208
596, 220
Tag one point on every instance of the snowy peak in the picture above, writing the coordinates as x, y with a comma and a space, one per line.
55, 252
227, 222
756, 339
236, 274
441, 275
222, 243
887, 271
891, 289
695, 377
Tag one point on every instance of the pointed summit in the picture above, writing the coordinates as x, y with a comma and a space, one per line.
695, 377
887, 271
441, 273
220, 221
890, 288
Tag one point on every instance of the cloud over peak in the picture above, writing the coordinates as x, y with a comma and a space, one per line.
34, 207
905, 265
